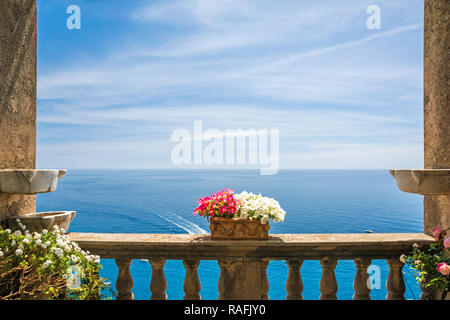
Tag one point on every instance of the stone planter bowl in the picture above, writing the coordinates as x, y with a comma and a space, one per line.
36, 222
238, 229
29, 181
425, 181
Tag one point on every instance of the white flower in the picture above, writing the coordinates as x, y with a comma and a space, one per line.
39, 242
1, 254
17, 233
26, 240
45, 231
18, 220
46, 264
255, 206
43, 246
48, 243
13, 243
58, 252
75, 247
19, 252
8, 231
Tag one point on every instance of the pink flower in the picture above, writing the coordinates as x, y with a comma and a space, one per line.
443, 269
220, 203
447, 243
437, 233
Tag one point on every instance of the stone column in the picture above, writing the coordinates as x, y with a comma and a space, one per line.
17, 96
436, 106
243, 279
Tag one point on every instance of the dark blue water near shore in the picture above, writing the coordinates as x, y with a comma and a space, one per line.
316, 201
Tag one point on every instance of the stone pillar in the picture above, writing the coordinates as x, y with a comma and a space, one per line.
436, 106
17, 96
243, 279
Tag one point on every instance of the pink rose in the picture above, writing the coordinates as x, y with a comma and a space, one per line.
443, 269
447, 243
436, 233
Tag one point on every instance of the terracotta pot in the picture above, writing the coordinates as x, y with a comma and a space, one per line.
238, 229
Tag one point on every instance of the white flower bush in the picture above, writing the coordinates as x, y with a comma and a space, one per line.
38, 263
255, 206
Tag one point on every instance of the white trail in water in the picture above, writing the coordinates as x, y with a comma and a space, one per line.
184, 224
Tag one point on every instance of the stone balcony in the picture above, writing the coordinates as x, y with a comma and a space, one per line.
243, 264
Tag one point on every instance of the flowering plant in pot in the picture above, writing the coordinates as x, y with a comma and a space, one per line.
243, 216
47, 265
431, 263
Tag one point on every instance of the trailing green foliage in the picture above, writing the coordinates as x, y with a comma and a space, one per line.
47, 265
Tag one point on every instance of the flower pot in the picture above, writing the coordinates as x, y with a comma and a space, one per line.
36, 222
238, 229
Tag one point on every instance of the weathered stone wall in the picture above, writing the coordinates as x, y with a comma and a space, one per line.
17, 96
436, 105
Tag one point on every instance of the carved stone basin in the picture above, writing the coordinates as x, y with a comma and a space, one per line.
29, 181
36, 222
424, 181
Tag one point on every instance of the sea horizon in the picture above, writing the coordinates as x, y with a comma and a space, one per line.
162, 201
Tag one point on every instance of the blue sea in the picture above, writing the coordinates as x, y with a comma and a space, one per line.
162, 201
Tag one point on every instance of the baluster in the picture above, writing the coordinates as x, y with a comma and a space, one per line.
124, 282
294, 284
395, 284
191, 280
225, 266
158, 284
328, 283
264, 280
360, 285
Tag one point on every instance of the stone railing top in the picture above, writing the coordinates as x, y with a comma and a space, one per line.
423, 181
279, 246
29, 181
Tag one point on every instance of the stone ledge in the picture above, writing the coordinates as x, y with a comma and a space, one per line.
278, 247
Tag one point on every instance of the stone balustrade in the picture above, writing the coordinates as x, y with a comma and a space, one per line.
243, 264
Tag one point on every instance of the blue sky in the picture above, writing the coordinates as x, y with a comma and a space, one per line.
342, 96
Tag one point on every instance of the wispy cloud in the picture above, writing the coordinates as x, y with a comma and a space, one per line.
309, 68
